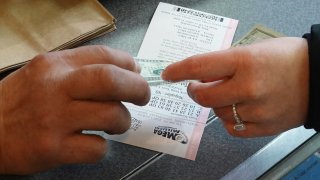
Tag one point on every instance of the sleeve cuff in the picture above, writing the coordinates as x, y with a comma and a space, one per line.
313, 117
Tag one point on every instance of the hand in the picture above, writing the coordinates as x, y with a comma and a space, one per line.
45, 105
269, 82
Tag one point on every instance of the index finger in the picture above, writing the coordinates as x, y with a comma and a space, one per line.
210, 66
106, 83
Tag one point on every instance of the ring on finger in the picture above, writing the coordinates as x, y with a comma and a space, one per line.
239, 126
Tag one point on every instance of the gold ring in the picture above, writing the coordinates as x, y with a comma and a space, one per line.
239, 126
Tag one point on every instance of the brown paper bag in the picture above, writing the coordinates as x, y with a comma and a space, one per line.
30, 27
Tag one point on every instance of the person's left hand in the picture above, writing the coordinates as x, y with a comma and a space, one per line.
268, 81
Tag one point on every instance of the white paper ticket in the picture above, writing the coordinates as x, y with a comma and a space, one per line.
171, 122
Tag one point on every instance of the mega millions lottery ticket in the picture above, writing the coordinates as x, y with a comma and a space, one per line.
171, 122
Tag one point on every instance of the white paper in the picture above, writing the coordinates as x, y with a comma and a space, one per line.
171, 122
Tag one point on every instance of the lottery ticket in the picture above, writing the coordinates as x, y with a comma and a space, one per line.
172, 122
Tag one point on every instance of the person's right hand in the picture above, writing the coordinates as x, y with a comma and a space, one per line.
268, 81
45, 106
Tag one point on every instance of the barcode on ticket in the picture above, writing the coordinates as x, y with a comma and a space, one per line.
198, 14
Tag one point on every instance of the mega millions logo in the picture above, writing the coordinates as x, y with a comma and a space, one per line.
171, 133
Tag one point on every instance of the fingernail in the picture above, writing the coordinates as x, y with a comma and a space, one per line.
164, 75
138, 67
190, 94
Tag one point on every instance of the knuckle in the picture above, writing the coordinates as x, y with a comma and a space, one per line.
113, 54
109, 112
116, 118
104, 51
39, 62
104, 75
245, 55
38, 68
110, 73
39, 58
199, 97
130, 64
252, 91
124, 120
144, 92
259, 113
253, 87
